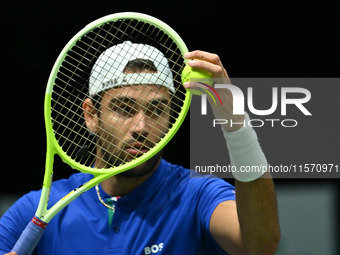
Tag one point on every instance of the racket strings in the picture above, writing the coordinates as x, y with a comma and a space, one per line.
168, 45
70, 71
79, 60
146, 143
141, 106
159, 129
74, 122
142, 75
72, 88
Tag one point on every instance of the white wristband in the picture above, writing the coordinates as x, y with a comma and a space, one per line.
245, 153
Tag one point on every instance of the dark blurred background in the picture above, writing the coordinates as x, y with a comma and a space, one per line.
261, 38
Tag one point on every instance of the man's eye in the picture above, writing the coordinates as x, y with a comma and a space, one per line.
159, 111
124, 110
154, 111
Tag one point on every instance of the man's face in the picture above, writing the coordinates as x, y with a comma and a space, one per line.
132, 120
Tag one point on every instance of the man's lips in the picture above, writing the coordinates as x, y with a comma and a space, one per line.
137, 149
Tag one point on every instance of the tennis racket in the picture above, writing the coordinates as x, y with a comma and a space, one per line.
90, 68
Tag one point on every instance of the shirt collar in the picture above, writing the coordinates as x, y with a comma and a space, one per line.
145, 190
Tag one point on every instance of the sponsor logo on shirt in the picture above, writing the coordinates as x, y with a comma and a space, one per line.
153, 248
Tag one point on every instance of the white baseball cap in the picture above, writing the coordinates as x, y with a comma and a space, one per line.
108, 71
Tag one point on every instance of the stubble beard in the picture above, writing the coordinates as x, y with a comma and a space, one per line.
139, 171
143, 169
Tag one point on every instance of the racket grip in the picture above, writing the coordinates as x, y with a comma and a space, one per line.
30, 237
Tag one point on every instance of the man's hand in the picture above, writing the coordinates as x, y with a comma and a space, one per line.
249, 226
211, 62
11, 253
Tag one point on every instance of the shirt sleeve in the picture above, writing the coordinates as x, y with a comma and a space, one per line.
213, 192
15, 219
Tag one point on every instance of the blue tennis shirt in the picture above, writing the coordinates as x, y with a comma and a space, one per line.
167, 214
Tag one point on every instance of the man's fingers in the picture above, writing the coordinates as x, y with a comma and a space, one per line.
216, 70
203, 55
207, 61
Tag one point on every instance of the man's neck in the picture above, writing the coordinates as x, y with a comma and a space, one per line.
121, 185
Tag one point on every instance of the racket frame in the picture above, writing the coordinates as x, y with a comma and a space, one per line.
52, 144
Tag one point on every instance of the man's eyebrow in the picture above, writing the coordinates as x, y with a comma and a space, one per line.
131, 100
162, 101
123, 99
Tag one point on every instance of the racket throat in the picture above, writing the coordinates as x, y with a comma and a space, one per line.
46, 189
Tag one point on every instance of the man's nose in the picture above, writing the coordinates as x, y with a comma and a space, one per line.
140, 124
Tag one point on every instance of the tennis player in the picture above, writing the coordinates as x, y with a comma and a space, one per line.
158, 207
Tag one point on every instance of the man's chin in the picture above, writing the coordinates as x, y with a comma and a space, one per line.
145, 168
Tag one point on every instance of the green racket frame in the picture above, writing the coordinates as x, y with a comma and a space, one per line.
52, 144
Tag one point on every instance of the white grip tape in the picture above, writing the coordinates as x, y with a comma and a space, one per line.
245, 153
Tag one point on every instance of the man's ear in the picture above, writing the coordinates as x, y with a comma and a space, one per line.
90, 115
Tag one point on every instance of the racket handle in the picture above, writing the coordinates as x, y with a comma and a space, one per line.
30, 237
